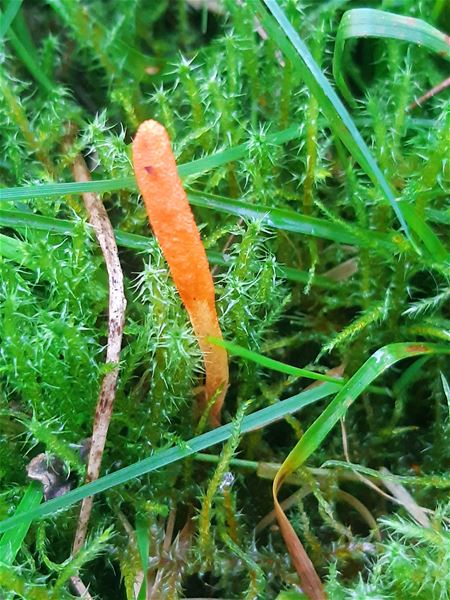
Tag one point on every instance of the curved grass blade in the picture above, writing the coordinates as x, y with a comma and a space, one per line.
276, 365
281, 31
380, 361
370, 22
270, 363
257, 420
344, 126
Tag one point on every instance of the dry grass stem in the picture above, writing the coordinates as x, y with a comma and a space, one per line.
101, 224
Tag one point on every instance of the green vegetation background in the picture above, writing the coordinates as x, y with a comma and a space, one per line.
324, 280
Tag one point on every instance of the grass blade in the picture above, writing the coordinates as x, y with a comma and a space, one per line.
276, 218
143, 546
202, 165
379, 362
11, 541
257, 420
276, 365
8, 16
288, 40
289, 220
433, 244
11, 248
55, 190
195, 167
27, 57
370, 22
270, 363
15, 249
30, 63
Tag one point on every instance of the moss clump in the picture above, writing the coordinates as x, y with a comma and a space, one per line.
325, 281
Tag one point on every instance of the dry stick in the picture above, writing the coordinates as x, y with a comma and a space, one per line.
435, 90
408, 502
98, 218
169, 530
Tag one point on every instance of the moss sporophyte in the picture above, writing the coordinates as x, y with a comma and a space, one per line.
174, 226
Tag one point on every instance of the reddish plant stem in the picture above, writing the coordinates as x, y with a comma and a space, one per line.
434, 90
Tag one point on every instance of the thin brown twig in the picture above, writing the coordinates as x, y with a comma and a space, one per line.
365, 480
372, 485
98, 218
304, 491
434, 90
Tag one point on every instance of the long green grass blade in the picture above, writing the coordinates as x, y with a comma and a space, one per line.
370, 22
55, 190
27, 57
281, 31
270, 363
143, 545
11, 540
162, 458
289, 220
30, 62
379, 362
15, 249
12, 8
195, 167
202, 165
276, 218
276, 365
433, 244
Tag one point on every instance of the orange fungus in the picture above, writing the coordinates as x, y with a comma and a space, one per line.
174, 226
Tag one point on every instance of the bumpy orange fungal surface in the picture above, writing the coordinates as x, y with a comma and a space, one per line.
173, 224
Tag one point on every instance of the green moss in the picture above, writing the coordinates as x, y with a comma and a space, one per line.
216, 79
